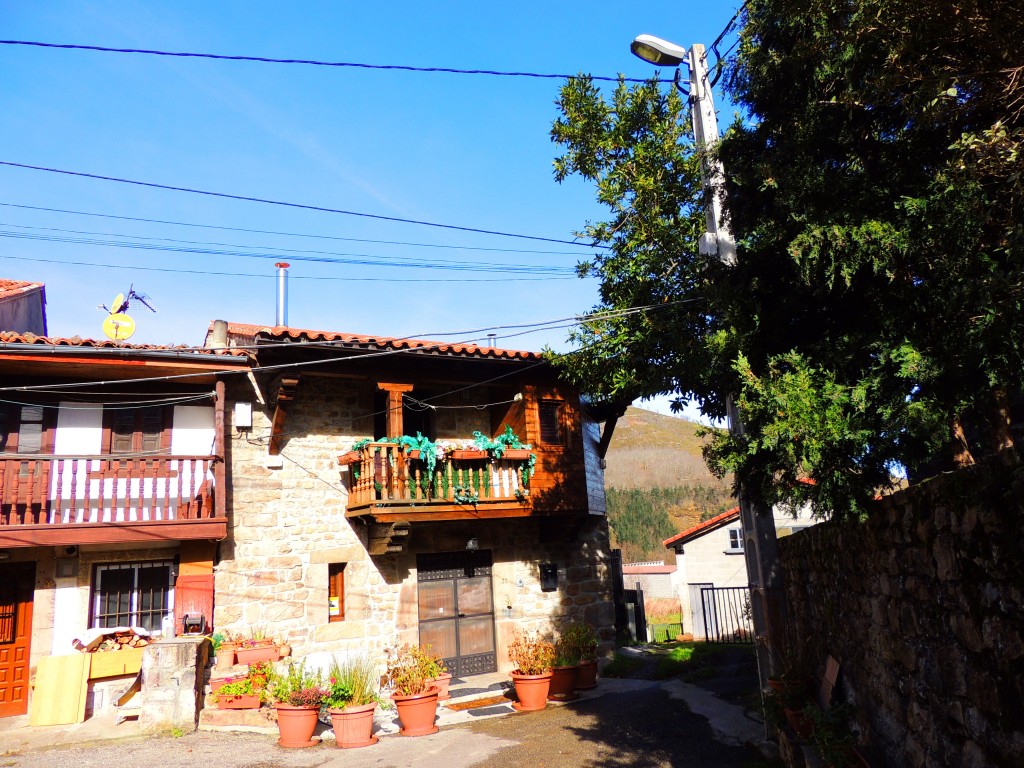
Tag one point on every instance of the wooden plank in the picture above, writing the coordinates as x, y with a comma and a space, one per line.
113, 663
62, 683
112, 533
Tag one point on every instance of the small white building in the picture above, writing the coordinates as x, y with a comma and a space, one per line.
712, 572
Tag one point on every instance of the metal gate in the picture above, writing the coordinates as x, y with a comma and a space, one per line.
726, 613
456, 610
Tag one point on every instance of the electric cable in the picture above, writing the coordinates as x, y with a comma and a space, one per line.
312, 62
286, 204
264, 276
287, 234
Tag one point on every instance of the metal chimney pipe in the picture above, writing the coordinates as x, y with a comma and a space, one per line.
492, 339
282, 293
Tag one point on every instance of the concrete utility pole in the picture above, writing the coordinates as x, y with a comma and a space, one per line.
760, 546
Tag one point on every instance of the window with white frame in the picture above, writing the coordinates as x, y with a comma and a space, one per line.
735, 540
133, 594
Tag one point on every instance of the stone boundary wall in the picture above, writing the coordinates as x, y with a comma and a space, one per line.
923, 606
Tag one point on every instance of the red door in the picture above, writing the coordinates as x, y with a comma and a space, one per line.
16, 585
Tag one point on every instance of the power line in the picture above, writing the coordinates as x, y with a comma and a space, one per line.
357, 260
289, 234
286, 204
545, 325
264, 276
315, 62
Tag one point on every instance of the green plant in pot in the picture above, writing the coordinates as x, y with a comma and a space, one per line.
832, 734
564, 670
298, 694
352, 697
583, 638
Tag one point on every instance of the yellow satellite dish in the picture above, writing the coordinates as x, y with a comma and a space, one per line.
115, 306
118, 326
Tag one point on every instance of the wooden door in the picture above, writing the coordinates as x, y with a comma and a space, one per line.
16, 586
456, 610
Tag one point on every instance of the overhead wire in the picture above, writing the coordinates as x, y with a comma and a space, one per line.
353, 259
286, 204
285, 234
265, 276
313, 62
425, 347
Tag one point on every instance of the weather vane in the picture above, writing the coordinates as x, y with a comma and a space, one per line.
117, 325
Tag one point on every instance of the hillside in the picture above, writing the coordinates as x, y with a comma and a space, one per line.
657, 483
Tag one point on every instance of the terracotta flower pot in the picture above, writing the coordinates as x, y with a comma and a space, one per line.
531, 690
257, 653
217, 683
563, 682
353, 726
241, 701
442, 682
296, 725
416, 713
801, 724
468, 453
516, 453
225, 655
586, 675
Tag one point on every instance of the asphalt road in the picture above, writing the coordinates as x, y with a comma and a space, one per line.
633, 729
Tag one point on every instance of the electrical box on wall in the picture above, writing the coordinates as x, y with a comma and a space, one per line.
243, 415
548, 577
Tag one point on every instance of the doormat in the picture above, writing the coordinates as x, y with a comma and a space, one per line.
490, 701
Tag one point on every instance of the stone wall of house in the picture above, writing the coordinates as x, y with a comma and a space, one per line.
287, 524
923, 606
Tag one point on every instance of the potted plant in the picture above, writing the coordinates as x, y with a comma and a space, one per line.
439, 674
410, 675
242, 692
257, 647
298, 696
351, 700
564, 670
533, 657
223, 649
581, 635
832, 735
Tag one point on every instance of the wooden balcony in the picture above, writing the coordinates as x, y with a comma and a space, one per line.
389, 485
61, 500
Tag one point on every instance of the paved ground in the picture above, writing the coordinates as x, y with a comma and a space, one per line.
623, 724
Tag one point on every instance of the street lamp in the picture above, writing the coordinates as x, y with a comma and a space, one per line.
760, 545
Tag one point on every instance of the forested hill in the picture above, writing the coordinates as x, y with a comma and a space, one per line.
657, 483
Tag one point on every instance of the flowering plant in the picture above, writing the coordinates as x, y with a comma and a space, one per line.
352, 682
297, 687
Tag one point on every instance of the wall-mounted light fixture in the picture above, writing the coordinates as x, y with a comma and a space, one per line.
5, 554
472, 545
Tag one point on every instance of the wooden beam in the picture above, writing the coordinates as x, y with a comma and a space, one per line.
212, 529
220, 485
393, 419
608, 431
284, 396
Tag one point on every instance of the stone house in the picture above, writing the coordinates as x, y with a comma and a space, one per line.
339, 541
111, 495
712, 576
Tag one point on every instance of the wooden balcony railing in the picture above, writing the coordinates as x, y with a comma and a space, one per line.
69, 490
386, 474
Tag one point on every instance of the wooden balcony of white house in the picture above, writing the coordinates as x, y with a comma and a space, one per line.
59, 500
389, 483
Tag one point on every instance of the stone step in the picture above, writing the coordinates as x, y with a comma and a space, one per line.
252, 720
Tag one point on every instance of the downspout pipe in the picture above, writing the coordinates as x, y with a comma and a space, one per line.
282, 293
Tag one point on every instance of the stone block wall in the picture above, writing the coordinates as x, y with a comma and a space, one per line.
287, 524
923, 606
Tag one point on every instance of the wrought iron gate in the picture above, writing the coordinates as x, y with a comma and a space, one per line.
727, 614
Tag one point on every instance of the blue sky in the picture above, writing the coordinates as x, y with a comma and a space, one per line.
467, 150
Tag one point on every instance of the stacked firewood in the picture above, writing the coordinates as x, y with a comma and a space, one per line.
121, 641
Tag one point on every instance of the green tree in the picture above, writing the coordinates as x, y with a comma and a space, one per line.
875, 313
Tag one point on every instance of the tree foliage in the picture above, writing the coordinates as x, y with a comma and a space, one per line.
875, 190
